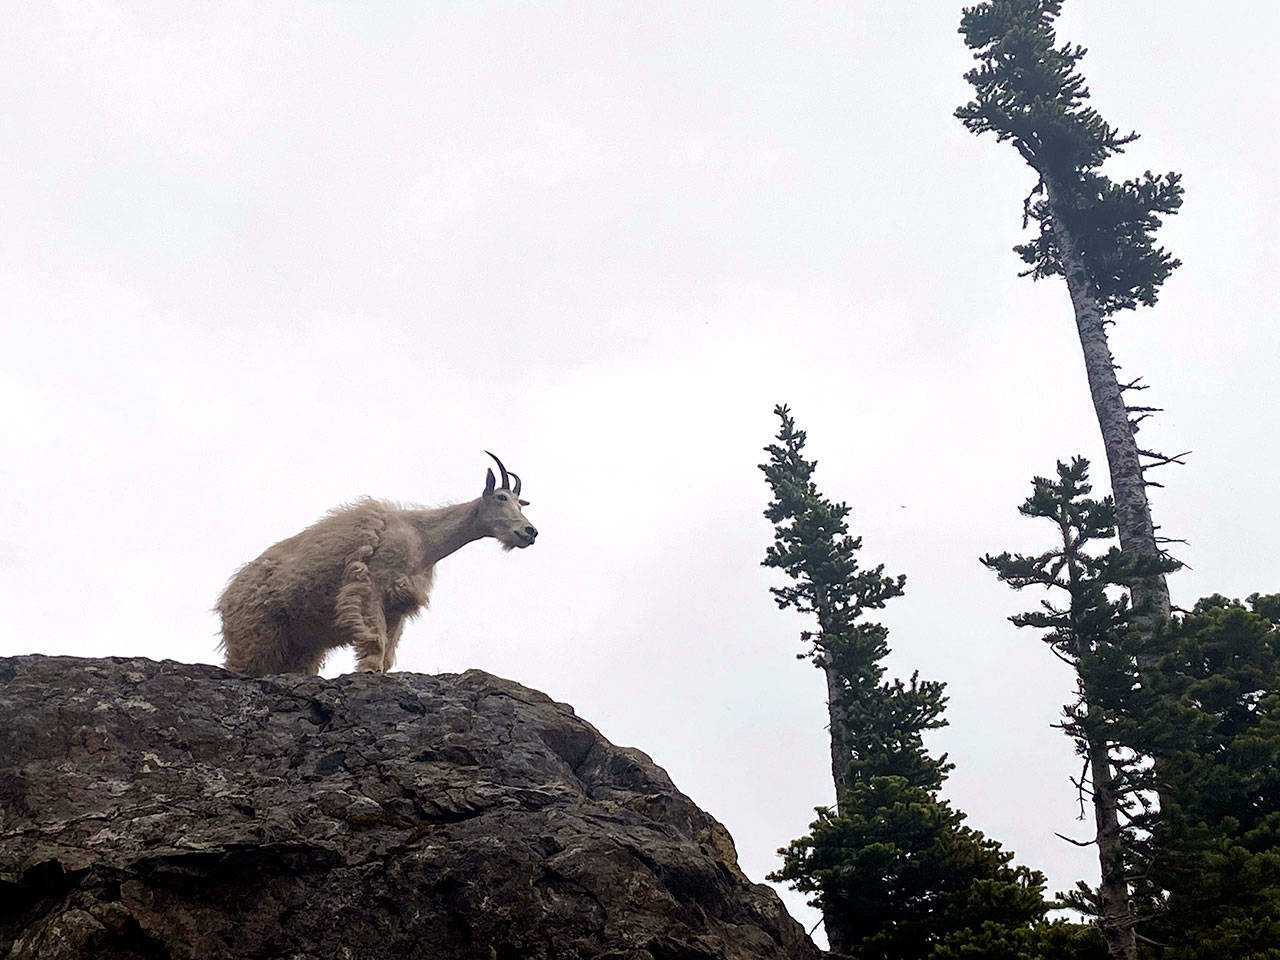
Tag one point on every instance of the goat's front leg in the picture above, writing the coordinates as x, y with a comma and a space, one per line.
358, 614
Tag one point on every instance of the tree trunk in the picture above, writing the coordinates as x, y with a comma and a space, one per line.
837, 718
1113, 892
1133, 510
833, 920
1116, 918
1150, 594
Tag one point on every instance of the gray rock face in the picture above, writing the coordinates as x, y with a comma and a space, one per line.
166, 810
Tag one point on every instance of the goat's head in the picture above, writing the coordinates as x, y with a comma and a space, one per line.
500, 515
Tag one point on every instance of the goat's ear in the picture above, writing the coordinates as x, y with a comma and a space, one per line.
490, 481
523, 503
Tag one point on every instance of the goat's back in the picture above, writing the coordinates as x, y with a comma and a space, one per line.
278, 610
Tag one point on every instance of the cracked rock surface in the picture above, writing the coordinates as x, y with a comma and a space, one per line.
165, 810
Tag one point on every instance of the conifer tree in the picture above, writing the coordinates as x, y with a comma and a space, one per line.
813, 547
1092, 632
1212, 720
1198, 875
1093, 232
893, 868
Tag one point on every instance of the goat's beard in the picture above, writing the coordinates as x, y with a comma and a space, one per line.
513, 541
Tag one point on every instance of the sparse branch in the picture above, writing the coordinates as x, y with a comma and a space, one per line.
1160, 460
1076, 843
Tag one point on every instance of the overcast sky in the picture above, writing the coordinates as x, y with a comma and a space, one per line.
263, 258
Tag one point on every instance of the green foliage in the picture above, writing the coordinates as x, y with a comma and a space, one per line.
1028, 90
893, 868
904, 874
1058, 940
813, 547
1091, 618
1113, 225
1213, 723
1092, 631
1198, 724
884, 723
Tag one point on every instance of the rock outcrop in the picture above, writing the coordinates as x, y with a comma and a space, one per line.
166, 810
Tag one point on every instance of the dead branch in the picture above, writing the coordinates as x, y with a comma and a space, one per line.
1077, 843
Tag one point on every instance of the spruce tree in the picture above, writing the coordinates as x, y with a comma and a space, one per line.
1092, 632
1198, 875
892, 867
813, 547
1212, 720
1098, 235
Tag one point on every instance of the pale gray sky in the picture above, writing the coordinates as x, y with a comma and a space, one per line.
262, 258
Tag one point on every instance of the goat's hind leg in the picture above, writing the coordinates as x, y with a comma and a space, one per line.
359, 616
256, 650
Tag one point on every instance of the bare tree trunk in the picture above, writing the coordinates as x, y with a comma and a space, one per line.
1150, 594
1113, 892
838, 725
1133, 510
837, 718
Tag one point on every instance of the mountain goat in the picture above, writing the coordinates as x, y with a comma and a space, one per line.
354, 578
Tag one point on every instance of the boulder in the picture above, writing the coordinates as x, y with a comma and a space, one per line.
167, 810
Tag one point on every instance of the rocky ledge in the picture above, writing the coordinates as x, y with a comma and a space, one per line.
167, 810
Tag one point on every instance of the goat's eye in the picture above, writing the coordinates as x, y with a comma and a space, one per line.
502, 496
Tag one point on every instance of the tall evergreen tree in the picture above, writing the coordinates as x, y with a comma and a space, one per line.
893, 868
1093, 232
813, 547
1092, 632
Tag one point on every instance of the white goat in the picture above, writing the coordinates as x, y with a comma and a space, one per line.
354, 578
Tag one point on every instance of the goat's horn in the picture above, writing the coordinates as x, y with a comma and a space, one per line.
506, 478
515, 483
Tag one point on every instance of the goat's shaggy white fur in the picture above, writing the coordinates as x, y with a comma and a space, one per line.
353, 578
